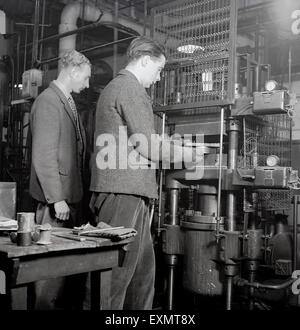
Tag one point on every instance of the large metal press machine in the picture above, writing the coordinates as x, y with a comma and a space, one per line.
235, 226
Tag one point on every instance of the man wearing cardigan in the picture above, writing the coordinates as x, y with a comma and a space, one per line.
122, 190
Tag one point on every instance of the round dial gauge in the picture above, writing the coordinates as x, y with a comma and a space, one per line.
270, 85
272, 160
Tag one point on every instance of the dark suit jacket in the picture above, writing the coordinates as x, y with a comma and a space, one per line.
57, 151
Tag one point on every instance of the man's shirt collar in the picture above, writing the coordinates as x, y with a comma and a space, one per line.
62, 88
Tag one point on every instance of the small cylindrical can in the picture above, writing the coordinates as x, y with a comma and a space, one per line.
24, 239
25, 222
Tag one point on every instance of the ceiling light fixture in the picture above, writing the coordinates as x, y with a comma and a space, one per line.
189, 49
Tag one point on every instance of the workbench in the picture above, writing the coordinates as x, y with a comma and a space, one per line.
25, 265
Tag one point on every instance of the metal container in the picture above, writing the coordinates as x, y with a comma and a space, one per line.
25, 222
201, 274
23, 238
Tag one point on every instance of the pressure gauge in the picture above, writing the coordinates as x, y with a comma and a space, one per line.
272, 160
271, 85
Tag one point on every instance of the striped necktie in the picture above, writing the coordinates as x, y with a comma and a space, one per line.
75, 114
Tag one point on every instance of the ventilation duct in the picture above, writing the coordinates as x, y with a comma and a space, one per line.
68, 22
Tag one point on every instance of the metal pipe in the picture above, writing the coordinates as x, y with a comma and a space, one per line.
35, 38
151, 213
229, 293
295, 231
68, 21
82, 20
42, 28
18, 58
257, 80
174, 194
220, 163
256, 41
171, 288
32, 24
218, 217
290, 68
244, 141
232, 164
25, 50
172, 259
231, 211
251, 291
257, 285
87, 49
233, 144
115, 47
161, 175
66, 34
145, 15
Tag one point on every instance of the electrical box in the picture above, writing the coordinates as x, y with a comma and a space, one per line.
2, 22
31, 81
8, 197
270, 102
275, 177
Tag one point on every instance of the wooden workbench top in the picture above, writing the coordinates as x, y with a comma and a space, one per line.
12, 250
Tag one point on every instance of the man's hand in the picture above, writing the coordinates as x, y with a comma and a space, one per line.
62, 210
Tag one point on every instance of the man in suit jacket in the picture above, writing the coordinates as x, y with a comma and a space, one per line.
58, 144
58, 150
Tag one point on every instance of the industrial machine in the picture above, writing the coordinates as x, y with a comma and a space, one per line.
230, 225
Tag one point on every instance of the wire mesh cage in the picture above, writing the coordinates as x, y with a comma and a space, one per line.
199, 37
265, 136
274, 199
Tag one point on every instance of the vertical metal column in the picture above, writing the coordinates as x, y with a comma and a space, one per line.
230, 268
25, 49
82, 23
145, 16
35, 33
233, 130
229, 293
42, 29
115, 47
172, 259
161, 176
218, 218
295, 231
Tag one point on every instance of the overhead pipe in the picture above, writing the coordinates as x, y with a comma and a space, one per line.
83, 29
68, 22
90, 49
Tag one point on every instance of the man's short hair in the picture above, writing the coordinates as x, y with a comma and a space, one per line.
141, 46
74, 58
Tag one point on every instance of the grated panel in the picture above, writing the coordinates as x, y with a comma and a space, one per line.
265, 136
199, 36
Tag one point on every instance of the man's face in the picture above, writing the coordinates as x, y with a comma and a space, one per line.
152, 68
80, 77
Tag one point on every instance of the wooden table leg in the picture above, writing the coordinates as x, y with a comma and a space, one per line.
18, 298
101, 289
30, 296
105, 289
